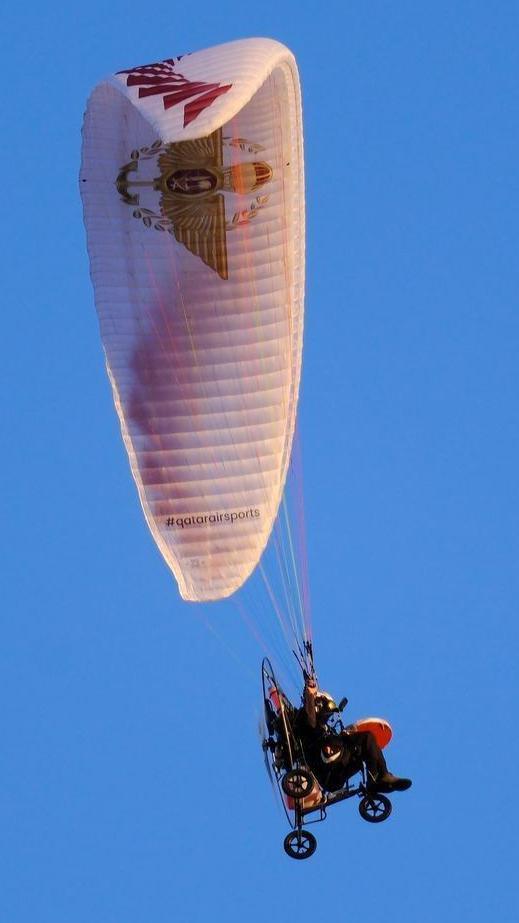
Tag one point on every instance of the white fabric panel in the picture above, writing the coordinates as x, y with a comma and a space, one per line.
197, 261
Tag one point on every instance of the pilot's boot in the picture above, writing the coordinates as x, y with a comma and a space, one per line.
387, 782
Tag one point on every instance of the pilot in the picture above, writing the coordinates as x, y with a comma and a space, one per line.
335, 757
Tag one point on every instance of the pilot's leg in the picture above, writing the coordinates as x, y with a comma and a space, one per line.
379, 777
370, 753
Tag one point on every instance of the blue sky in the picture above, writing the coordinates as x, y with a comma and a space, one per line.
132, 787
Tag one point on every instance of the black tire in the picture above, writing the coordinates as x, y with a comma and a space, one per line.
300, 844
375, 808
297, 783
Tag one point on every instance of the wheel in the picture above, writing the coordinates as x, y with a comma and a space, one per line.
375, 808
297, 783
300, 844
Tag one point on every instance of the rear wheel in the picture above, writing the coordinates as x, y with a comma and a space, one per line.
300, 844
375, 808
297, 783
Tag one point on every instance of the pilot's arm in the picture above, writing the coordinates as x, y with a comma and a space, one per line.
309, 701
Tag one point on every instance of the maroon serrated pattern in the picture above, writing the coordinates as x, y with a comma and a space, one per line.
161, 79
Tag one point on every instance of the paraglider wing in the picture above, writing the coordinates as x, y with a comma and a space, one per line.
192, 186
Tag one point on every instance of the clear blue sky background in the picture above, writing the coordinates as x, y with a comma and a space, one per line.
121, 798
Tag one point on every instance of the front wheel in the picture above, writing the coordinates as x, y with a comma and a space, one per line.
375, 808
297, 783
300, 844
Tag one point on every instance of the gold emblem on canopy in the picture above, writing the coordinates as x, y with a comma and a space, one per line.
192, 186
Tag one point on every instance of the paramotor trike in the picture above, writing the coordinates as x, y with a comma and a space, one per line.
300, 792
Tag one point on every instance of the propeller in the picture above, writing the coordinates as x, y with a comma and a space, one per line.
263, 736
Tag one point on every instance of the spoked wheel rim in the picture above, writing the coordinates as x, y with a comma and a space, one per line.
300, 844
297, 783
375, 808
